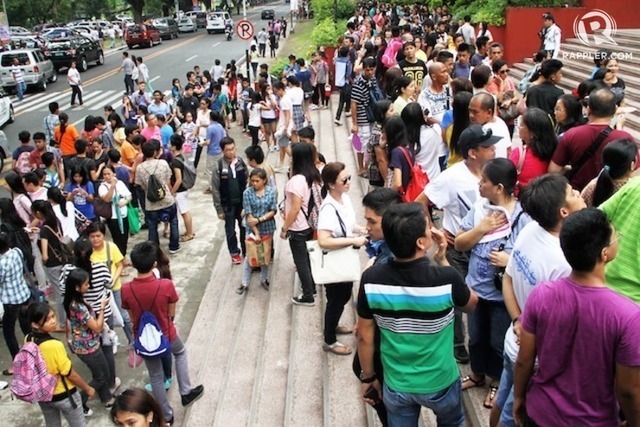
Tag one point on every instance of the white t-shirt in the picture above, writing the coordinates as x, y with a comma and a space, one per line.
216, 72
328, 219
296, 95
254, 115
285, 105
203, 120
536, 257
499, 128
121, 191
427, 157
68, 223
73, 76
454, 191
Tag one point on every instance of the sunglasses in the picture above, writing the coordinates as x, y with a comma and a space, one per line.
504, 71
347, 179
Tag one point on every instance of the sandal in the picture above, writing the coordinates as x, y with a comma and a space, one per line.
337, 348
474, 383
493, 390
185, 238
343, 330
7, 373
166, 234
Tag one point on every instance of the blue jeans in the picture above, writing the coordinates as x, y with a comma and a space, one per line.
233, 215
169, 214
404, 408
21, 88
488, 324
504, 398
128, 326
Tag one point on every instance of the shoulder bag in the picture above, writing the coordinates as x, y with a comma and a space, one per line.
334, 265
589, 153
102, 208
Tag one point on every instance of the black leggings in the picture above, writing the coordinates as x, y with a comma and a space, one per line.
198, 154
338, 295
255, 139
119, 238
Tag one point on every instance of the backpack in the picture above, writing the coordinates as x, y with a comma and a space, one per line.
418, 180
389, 57
375, 94
22, 164
313, 207
65, 255
308, 89
31, 380
155, 190
188, 174
150, 341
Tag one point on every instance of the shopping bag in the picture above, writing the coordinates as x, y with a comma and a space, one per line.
259, 250
133, 216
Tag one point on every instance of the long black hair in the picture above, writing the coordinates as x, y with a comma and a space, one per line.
50, 218
396, 132
303, 162
82, 251
413, 118
617, 158
55, 194
544, 142
14, 181
74, 280
460, 119
9, 215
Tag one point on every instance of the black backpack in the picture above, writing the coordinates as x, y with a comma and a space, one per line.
155, 190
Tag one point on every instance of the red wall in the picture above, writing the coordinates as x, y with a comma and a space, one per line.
519, 34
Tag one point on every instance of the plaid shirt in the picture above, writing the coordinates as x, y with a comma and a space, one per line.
13, 287
259, 206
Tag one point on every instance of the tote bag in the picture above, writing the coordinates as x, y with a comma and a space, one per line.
334, 265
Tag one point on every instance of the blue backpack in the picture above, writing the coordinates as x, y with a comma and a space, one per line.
375, 94
150, 341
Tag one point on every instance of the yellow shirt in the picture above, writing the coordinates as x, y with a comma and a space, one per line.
58, 363
116, 257
453, 156
422, 55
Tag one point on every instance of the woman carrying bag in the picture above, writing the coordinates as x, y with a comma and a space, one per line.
336, 228
116, 192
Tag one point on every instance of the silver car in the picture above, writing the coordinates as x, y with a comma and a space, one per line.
186, 25
36, 68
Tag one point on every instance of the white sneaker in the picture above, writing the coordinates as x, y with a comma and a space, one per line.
116, 386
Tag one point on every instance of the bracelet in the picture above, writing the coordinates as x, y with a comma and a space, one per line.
513, 322
367, 380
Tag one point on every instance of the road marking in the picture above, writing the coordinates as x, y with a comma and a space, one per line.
19, 107
98, 99
115, 70
215, 44
190, 58
154, 79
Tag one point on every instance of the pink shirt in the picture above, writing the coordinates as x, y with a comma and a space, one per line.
532, 167
297, 186
150, 133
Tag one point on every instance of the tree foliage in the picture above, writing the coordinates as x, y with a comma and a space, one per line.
324, 9
493, 11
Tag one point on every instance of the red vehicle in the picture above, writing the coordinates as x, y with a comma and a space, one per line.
142, 35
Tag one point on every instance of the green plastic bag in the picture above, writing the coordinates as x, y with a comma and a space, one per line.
133, 216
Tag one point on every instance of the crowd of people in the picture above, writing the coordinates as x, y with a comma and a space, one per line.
463, 217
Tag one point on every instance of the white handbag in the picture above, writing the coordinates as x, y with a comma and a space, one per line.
334, 265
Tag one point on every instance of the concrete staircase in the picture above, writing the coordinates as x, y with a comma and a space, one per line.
577, 68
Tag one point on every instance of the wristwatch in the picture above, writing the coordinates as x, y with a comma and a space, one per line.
368, 380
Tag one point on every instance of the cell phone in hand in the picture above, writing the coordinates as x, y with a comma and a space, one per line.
372, 394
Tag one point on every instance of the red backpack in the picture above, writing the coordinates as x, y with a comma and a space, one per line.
418, 180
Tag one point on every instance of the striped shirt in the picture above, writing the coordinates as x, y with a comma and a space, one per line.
360, 95
17, 74
413, 304
100, 283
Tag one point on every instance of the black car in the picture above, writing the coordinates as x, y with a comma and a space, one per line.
268, 14
75, 48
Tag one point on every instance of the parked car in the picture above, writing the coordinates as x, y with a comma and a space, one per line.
6, 112
216, 22
14, 30
36, 68
89, 32
168, 27
186, 25
268, 14
199, 17
29, 41
76, 48
5, 149
142, 35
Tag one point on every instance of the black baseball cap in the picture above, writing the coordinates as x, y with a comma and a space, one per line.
476, 136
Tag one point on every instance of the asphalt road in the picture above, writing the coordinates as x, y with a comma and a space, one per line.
104, 85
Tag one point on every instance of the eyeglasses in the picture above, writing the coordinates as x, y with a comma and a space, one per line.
504, 71
347, 179
618, 237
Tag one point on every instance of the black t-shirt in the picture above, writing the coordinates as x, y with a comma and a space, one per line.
189, 104
53, 245
431, 39
544, 96
178, 163
85, 163
414, 70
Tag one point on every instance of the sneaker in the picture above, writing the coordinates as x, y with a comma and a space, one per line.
242, 289
337, 122
236, 259
273, 148
265, 284
301, 300
195, 394
175, 251
348, 114
167, 385
461, 354
87, 412
116, 386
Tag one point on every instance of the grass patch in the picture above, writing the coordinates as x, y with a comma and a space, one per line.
299, 43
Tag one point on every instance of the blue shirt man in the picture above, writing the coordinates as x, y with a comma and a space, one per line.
215, 133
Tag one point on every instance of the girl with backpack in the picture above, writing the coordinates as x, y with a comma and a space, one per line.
116, 192
85, 330
51, 248
66, 400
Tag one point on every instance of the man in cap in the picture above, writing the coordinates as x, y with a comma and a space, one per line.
455, 191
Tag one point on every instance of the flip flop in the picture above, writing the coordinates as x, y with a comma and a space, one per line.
6, 373
343, 330
337, 348
493, 390
476, 383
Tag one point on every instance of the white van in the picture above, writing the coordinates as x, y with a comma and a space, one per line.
36, 68
216, 22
